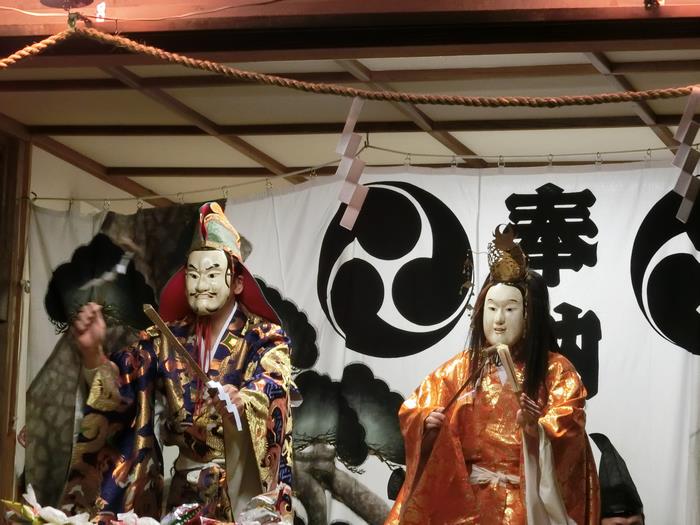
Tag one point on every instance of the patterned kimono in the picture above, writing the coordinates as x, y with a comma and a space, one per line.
475, 473
117, 465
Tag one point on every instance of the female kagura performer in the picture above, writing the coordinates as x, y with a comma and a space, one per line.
479, 453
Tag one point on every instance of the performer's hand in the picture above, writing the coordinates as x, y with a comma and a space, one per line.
434, 420
431, 427
529, 414
89, 331
235, 397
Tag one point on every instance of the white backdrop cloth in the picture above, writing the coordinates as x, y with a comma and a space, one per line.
648, 400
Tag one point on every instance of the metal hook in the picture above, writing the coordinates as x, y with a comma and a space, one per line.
501, 161
105, 205
407, 160
649, 154
313, 173
181, 198
598, 159
550, 159
139, 204
454, 161
224, 192
33, 196
268, 184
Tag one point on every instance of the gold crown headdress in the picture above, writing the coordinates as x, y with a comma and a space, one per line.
507, 261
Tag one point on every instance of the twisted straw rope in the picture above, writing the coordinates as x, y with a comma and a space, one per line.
345, 91
35, 49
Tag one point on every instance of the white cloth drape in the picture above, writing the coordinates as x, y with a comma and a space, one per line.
648, 398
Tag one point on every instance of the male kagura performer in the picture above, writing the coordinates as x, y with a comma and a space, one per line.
217, 311
479, 453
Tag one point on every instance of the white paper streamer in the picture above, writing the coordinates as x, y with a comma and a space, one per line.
230, 407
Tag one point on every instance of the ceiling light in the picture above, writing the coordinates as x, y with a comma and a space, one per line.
66, 4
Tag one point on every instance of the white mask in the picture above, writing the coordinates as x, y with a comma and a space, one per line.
208, 283
504, 318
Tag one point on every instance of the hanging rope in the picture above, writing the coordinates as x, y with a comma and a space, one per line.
345, 91
35, 49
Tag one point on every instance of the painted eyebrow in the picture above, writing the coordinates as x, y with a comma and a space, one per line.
215, 266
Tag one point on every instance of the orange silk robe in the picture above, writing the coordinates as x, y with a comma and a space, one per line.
480, 428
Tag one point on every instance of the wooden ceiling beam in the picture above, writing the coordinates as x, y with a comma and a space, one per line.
642, 108
344, 77
116, 58
329, 21
656, 66
199, 120
80, 161
163, 16
330, 77
320, 128
419, 118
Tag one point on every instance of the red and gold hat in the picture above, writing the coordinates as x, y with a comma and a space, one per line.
214, 231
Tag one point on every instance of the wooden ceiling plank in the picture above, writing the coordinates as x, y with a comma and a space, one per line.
363, 73
601, 62
656, 66
163, 99
254, 153
80, 161
199, 120
98, 171
184, 171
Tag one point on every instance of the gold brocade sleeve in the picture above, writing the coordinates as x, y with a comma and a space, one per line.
266, 392
564, 423
115, 464
565, 415
433, 392
430, 496
104, 389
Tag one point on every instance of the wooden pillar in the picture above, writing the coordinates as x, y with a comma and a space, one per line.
15, 168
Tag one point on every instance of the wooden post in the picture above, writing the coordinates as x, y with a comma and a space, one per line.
15, 168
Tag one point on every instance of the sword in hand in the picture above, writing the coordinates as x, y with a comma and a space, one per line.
194, 367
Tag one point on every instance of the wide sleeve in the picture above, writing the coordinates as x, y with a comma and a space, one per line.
565, 417
434, 491
266, 390
563, 437
115, 455
435, 391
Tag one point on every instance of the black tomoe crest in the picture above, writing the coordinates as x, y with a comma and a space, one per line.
667, 287
398, 290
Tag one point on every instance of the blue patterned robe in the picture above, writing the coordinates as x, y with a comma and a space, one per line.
117, 465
